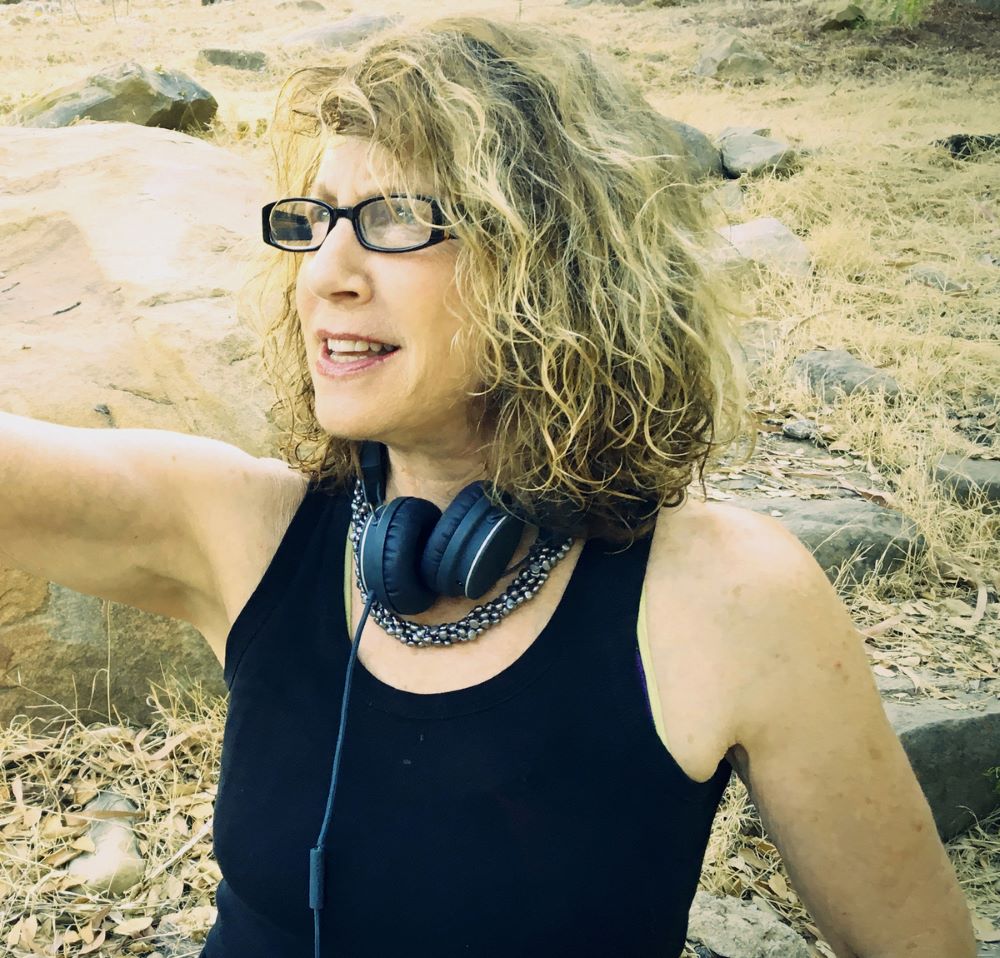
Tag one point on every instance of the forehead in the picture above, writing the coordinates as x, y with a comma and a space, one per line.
352, 168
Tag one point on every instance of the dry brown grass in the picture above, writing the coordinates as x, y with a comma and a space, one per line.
873, 198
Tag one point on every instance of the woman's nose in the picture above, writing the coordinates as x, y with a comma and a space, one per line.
337, 268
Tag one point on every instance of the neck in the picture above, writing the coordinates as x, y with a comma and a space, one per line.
437, 475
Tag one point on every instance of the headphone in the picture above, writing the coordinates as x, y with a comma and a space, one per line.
410, 552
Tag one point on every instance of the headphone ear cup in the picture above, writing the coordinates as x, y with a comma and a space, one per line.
392, 542
470, 546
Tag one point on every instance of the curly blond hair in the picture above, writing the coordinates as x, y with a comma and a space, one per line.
601, 339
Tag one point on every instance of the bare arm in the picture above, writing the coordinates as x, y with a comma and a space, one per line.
825, 769
110, 512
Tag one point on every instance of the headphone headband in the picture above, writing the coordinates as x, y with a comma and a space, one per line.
372, 456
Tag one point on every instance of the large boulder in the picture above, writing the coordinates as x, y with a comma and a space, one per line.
126, 93
122, 248
701, 158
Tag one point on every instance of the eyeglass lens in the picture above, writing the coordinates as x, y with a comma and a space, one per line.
396, 223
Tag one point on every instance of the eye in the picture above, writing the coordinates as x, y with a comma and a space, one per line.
401, 211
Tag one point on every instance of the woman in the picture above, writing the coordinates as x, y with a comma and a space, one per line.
504, 233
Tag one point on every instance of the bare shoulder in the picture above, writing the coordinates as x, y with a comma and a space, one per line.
239, 508
809, 735
723, 587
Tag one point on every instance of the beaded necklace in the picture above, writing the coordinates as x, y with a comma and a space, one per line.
541, 558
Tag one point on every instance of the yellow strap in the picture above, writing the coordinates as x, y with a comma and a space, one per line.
647, 667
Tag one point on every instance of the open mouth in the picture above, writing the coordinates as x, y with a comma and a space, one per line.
343, 352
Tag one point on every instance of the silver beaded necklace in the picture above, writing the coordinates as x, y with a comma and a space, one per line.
540, 560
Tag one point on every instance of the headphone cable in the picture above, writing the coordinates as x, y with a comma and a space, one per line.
316, 855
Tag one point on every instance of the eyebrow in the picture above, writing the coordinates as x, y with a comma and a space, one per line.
318, 189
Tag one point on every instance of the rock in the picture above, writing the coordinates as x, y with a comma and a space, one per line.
116, 863
950, 751
741, 929
620, 3
830, 372
965, 145
770, 243
852, 536
700, 156
842, 16
728, 56
800, 429
127, 93
932, 276
345, 33
743, 131
749, 153
973, 481
724, 202
760, 339
237, 59
988, 259
81, 211
312, 6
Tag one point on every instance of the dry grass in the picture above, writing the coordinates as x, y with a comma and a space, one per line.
874, 197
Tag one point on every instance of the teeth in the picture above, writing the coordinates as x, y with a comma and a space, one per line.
355, 346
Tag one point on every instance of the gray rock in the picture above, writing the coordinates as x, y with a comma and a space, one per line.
312, 6
830, 372
741, 929
799, 429
950, 752
971, 480
620, 3
253, 60
842, 16
724, 201
701, 157
987, 949
728, 56
770, 243
128, 93
345, 33
852, 536
116, 863
760, 339
936, 278
748, 153
743, 131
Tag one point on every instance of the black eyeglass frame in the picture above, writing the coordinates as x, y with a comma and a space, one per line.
438, 233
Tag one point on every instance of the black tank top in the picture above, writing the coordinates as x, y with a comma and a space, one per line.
537, 814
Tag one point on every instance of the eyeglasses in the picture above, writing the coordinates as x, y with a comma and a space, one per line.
396, 224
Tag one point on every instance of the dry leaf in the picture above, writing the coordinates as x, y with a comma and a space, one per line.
133, 926
95, 944
753, 860
84, 844
29, 928
169, 745
61, 857
984, 929
881, 670
780, 886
